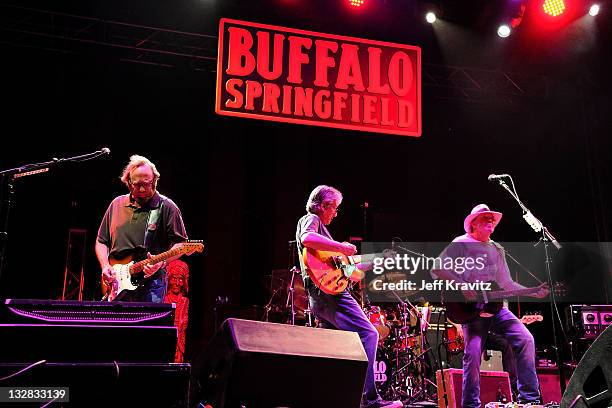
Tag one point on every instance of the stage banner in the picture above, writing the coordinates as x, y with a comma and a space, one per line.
287, 75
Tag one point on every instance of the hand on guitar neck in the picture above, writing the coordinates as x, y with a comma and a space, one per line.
120, 275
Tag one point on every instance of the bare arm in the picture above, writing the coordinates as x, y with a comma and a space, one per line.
321, 243
102, 253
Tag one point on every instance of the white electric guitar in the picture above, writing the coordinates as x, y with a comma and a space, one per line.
127, 274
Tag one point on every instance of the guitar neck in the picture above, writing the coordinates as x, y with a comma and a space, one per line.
137, 267
355, 259
509, 293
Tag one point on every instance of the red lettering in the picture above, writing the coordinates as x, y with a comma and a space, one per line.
400, 78
349, 71
324, 61
287, 91
240, 60
253, 91
271, 92
385, 120
339, 104
303, 102
405, 113
297, 58
369, 109
263, 55
230, 86
374, 72
322, 104
355, 108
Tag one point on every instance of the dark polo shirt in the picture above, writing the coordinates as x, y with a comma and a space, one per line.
124, 224
308, 223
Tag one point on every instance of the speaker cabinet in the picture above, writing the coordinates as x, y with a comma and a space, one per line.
493, 385
548, 377
161, 385
261, 364
591, 383
61, 331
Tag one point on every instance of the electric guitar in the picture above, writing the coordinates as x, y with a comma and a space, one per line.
531, 318
331, 271
461, 312
128, 274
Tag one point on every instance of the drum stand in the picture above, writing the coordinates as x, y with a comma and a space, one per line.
290, 303
422, 317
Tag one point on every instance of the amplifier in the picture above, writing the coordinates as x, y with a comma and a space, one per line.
588, 321
87, 312
74, 331
494, 387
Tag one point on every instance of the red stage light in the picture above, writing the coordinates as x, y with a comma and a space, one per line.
356, 3
554, 7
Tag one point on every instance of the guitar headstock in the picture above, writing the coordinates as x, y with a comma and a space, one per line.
531, 318
191, 246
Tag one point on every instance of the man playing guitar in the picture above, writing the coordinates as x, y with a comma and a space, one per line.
336, 311
477, 244
142, 221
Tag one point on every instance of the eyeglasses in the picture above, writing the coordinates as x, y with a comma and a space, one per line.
141, 184
487, 218
335, 209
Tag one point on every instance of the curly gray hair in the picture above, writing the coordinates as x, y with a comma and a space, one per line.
135, 162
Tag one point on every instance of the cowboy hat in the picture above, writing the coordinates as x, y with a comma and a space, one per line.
480, 209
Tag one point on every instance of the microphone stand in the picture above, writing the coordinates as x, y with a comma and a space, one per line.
546, 238
8, 178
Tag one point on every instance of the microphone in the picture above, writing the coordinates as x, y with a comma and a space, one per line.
105, 150
497, 176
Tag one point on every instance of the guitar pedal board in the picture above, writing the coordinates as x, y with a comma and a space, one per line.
588, 321
517, 405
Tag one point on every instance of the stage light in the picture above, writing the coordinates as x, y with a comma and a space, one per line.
356, 3
430, 17
503, 31
554, 7
594, 10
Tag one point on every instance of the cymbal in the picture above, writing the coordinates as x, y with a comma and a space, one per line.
273, 282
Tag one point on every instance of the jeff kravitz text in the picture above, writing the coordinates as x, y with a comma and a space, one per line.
287, 75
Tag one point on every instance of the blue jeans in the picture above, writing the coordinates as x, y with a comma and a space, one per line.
153, 289
499, 343
342, 312
505, 324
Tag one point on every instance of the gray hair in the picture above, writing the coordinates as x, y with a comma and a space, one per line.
135, 162
320, 196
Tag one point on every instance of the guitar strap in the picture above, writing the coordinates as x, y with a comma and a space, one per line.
152, 223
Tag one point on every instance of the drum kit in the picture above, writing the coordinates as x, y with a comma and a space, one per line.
404, 368
400, 368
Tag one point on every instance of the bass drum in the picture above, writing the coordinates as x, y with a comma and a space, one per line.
382, 370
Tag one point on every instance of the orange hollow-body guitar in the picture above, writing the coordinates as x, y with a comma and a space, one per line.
331, 271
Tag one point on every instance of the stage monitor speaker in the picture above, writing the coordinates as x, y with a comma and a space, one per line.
494, 386
259, 364
104, 384
591, 383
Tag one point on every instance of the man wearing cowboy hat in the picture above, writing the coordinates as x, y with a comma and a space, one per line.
476, 243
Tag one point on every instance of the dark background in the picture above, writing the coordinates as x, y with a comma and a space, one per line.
242, 184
